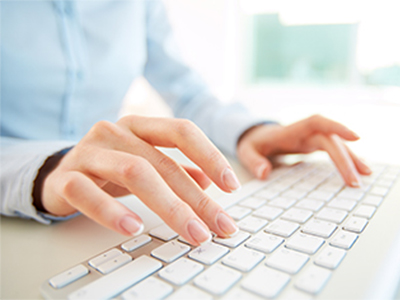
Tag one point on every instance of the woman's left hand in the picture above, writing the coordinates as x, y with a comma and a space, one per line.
305, 136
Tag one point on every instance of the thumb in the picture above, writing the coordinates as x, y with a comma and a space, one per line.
255, 162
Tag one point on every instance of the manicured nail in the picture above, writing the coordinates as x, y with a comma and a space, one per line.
198, 232
365, 167
355, 184
131, 225
230, 180
226, 224
354, 134
262, 169
356, 181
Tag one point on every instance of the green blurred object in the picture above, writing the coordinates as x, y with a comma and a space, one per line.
302, 53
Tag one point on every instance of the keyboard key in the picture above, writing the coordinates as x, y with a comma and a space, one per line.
319, 228
163, 232
351, 193
331, 186
332, 215
330, 257
233, 241
264, 242
297, 215
282, 202
305, 243
183, 240
267, 194
252, 224
379, 191
365, 211
243, 259
208, 253
344, 204
355, 224
189, 292
238, 213
282, 228
268, 212
181, 271
114, 263
373, 200
68, 276
253, 202
136, 243
296, 295
305, 186
295, 194
344, 240
106, 256
150, 288
170, 251
240, 294
310, 204
217, 279
321, 195
119, 280
313, 280
287, 260
266, 282
384, 183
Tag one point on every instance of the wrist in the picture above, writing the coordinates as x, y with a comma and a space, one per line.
48, 166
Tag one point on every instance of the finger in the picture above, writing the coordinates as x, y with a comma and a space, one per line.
83, 194
140, 178
186, 189
187, 137
254, 161
319, 124
361, 166
198, 175
334, 146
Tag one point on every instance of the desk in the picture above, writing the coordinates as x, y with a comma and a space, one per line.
31, 252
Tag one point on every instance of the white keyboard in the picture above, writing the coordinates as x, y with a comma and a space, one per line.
295, 230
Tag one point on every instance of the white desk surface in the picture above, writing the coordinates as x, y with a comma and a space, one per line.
31, 252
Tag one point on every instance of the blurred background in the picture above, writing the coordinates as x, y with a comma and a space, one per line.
289, 59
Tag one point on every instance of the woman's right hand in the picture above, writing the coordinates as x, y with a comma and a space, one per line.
117, 159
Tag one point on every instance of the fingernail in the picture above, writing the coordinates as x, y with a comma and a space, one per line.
198, 232
354, 134
226, 224
365, 167
131, 225
230, 179
262, 169
355, 184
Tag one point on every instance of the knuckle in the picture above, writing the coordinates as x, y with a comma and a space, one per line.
315, 119
102, 129
134, 168
185, 128
127, 119
215, 158
204, 205
168, 165
70, 186
177, 210
99, 209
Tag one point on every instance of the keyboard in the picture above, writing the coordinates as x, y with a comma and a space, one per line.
296, 229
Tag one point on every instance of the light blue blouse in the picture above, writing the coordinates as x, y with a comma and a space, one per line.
65, 65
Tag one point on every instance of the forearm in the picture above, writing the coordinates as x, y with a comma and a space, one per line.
20, 162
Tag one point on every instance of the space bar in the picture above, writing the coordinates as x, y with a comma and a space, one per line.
119, 280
